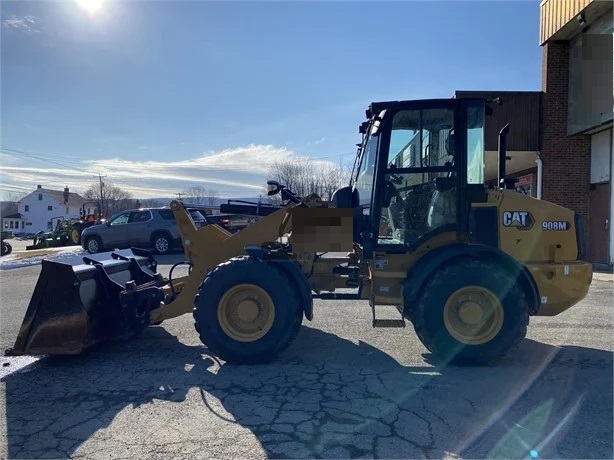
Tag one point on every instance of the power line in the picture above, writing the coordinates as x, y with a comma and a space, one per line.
38, 154
16, 187
40, 158
338, 155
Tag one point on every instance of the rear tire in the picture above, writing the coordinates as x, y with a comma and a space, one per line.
459, 295
75, 234
246, 311
162, 243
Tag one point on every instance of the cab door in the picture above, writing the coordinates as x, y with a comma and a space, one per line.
420, 188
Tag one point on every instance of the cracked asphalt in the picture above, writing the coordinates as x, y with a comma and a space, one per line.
342, 390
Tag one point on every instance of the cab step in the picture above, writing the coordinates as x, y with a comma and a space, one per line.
380, 322
388, 323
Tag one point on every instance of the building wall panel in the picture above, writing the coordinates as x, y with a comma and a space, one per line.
521, 109
591, 82
554, 14
601, 156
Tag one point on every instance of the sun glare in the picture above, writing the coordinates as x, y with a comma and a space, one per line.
90, 5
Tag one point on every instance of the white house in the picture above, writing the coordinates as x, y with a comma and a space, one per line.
14, 223
42, 208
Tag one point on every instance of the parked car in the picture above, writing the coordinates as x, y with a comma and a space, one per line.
145, 228
230, 222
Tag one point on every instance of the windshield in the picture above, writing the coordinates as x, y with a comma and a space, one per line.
196, 215
366, 168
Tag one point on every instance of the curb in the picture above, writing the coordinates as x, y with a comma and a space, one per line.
600, 276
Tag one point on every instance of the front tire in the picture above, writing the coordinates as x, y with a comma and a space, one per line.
246, 311
94, 245
471, 313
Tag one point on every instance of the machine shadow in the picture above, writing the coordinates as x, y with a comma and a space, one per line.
325, 397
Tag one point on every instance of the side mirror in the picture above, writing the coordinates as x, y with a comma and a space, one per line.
107, 223
274, 187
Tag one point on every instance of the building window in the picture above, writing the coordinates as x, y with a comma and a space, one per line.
27, 208
40, 197
12, 224
49, 208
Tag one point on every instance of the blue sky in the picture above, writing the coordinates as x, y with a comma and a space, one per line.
224, 88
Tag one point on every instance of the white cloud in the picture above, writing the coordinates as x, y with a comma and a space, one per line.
319, 141
23, 23
236, 172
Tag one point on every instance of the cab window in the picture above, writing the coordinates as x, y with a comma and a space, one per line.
140, 216
420, 175
121, 219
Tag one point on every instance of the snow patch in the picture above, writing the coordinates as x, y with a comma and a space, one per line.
13, 260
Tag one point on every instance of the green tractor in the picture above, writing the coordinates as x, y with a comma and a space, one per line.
67, 232
58, 237
86, 219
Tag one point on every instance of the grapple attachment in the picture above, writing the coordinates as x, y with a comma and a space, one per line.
79, 302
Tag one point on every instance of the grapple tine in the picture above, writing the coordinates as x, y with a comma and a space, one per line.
79, 302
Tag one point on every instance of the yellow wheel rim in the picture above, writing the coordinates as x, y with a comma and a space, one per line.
246, 312
75, 236
473, 315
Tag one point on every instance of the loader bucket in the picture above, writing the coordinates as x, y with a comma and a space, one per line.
79, 302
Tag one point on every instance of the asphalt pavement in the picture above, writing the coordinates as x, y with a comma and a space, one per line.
342, 390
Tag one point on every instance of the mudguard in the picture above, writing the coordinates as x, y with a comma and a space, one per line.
422, 271
292, 270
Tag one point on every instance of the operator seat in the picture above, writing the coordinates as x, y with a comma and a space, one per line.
443, 206
398, 218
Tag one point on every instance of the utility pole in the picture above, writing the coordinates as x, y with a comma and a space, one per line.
104, 210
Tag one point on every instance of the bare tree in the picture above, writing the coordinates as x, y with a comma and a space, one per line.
197, 194
305, 177
15, 196
264, 198
9, 206
114, 199
152, 203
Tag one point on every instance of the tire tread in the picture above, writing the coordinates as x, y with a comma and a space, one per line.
428, 299
229, 269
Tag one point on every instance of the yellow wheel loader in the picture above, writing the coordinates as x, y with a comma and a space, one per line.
416, 229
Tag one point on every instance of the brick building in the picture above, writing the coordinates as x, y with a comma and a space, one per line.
577, 108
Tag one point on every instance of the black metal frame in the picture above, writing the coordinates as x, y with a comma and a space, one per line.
130, 304
460, 107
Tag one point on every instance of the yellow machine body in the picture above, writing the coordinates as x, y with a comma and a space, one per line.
469, 289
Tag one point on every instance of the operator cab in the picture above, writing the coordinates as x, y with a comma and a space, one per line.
419, 166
